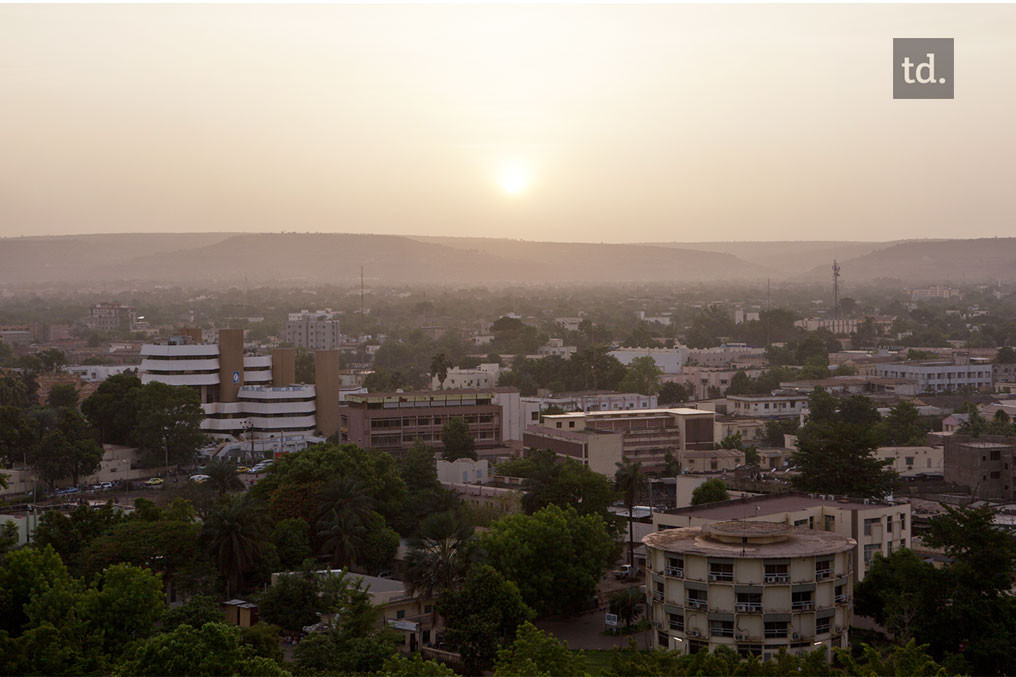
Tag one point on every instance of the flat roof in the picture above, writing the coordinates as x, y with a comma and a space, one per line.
768, 504
577, 435
794, 541
614, 413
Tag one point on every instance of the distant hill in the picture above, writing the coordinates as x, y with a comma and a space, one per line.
292, 258
931, 261
789, 258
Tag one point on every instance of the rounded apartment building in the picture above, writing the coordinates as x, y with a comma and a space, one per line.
755, 587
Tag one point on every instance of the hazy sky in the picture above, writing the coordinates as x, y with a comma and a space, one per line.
591, 123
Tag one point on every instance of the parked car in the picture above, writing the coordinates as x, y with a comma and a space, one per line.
106, 485
66, 490
154, 482
625, 572
199, 478
242, 469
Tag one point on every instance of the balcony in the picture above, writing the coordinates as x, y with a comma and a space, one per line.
696, 603
842, 599
675, 572
658, 596
748, 607
721, 577
802, 606
777, 578
822, 574
776, 634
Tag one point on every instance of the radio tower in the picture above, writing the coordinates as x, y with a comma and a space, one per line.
836, 289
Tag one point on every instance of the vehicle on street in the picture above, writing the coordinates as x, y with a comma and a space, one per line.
625, 572
199, 478
66, 490
242, 469
154, 482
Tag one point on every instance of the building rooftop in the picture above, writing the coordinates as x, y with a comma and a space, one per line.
749, 539
768, 504
435, 394
576, 435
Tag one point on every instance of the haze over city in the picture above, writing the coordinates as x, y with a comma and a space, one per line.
559, 123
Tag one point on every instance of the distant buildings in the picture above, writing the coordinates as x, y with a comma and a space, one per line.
590, 400
726, 356
555, 347
484, 376
313, 330
755, 587
111, 317
778, 404
985, 464
600, 439
669, 360
940, 375
935, 292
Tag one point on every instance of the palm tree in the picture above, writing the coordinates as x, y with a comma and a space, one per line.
235, 532
14, 391
342, 520
439, 366
630, 480
437, 559
222, 476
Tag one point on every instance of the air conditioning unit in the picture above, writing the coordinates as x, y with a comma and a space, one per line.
867, 501
742, 607
714, 577
797, 635
693, 633
742, 637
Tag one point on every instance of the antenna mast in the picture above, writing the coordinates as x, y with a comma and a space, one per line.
836, 289
362, 306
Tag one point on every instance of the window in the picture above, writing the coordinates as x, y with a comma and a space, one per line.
774, 629
721, 572
870, 550
996, 455
821, 626
721, 628
801, 600
777, 573
676, 622
658, 593
401, 613
903, 521
675, 567
909, 460
889, 523
748, 602
662, 640
746, 650
571, 424
696, 599
830, 522
840, 595
823, 569
996, 475
868, 524
535, 416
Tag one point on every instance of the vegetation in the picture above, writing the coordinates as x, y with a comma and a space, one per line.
710, 491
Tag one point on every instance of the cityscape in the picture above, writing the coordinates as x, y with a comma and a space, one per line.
422, 340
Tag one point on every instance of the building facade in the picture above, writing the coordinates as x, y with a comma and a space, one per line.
874, 527
985, 464
669, 360
754, 587
111, 317
313, 330
936, 375
778, 404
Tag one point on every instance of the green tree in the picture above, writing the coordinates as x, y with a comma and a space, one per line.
124, 604
674, 393
548, 481
213, 649
113, 408
1005, 355
169, 421
556, 556
415, 665
457, 441
642, 376
24, 574
630, 482
710, 491
292, 601
19, 436
63, 395
234, 534
59, 457
536, 653
195, 612
437, 560
838, 457
380, 545
902, 426
291, 538
418, 469
222, 477
342, 520
482, 615
626, 604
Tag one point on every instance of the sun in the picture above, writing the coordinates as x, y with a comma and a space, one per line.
514, 178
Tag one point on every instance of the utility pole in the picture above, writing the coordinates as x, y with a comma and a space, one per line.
363, 311
836, 290
769, 320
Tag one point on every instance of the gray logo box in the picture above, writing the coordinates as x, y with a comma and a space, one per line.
923, 68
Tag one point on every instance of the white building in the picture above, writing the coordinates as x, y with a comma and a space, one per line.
835, 325
313, 330
724, 355
936, 376
267, 409
669, 360
778, 404
484, 376
555, 347
92, 373
912, 461
597, 400
464, 471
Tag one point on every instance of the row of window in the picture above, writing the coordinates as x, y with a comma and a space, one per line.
751, 602
724, 571
771, 629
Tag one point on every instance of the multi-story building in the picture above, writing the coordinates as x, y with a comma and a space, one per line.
111, 317
646, 435
985, 464
244, 393
913, 461
1003, 373
833, 324
874, 527
725, 355
935, 292
939, 375
590, 400
313, 330
555, 347
754, 587
752, 430
394, 421
778, 404
669, 360
600, 450
704, 381
484, 376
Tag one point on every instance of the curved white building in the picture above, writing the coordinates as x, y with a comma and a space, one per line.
755, 587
